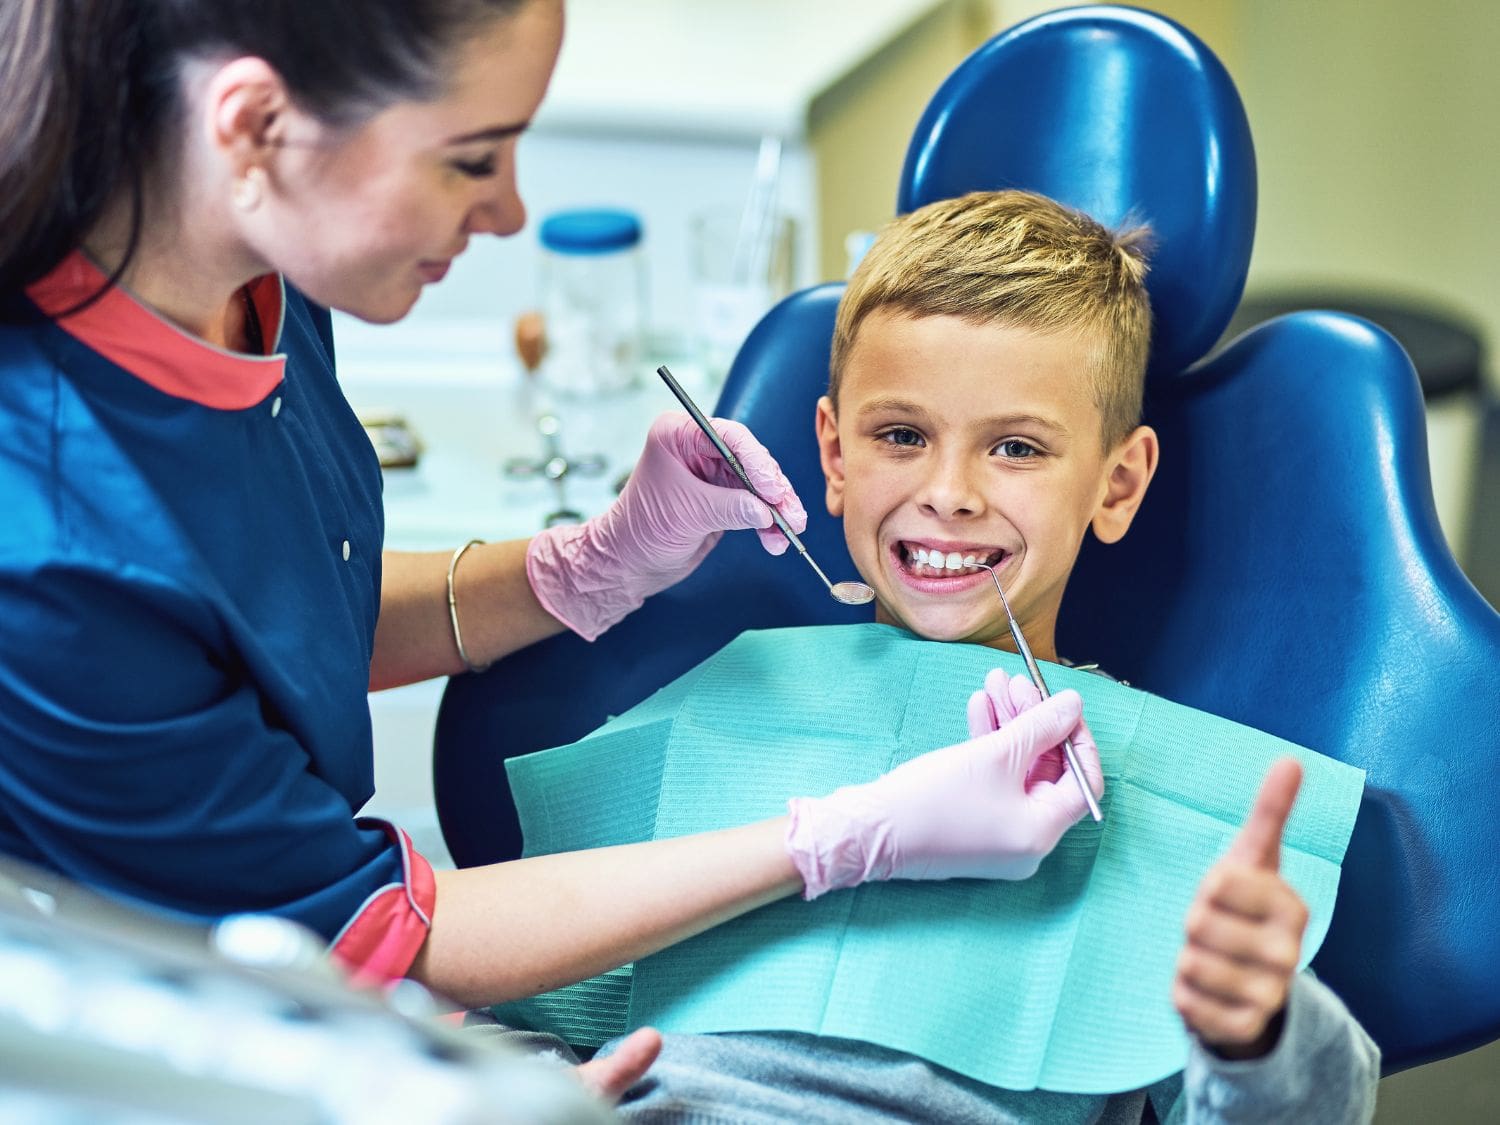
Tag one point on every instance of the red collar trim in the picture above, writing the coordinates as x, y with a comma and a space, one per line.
122, 329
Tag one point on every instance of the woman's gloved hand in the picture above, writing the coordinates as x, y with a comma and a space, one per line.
681, 497
966, 811
1002, 698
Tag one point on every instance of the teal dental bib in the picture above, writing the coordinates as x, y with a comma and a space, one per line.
1060, 982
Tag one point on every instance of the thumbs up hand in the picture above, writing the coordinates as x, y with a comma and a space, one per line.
1244, 933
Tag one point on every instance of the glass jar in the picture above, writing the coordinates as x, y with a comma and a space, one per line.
592, 298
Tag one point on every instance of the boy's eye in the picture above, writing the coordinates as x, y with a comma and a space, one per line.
476, 169
902, 436
1016, 449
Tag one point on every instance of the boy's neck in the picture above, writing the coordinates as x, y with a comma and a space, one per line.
1043, 645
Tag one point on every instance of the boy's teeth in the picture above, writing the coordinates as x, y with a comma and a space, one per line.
939, 560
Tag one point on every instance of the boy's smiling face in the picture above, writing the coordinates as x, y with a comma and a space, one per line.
975, 439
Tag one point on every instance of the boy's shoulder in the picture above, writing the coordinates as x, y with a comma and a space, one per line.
1094, 668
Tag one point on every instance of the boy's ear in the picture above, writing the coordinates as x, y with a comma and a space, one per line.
831, 455
1131, 467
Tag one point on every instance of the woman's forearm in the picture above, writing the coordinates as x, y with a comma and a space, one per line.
497, 612
515, 929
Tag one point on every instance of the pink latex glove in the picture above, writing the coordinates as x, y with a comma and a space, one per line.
961, 812
1002, 698
681, 497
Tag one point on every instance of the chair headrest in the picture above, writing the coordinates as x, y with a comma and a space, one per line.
1126, 116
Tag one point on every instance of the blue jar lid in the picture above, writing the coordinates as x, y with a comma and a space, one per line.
590, 231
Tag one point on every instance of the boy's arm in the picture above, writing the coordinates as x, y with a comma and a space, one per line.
1269, 1044
1302, 1057
1323, 1068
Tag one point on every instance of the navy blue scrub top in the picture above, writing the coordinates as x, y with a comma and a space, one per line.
189, 582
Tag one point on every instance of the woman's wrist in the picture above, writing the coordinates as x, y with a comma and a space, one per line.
497, 612
576, 579
458, 636
831, 840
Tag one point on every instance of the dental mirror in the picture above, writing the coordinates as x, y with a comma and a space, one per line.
849, 593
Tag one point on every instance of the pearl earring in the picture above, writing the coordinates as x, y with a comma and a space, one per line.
246, 191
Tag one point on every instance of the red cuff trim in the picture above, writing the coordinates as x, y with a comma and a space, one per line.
381, 941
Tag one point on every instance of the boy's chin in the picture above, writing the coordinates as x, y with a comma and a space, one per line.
932, 628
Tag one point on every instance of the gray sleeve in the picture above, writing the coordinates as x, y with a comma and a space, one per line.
1324, 1068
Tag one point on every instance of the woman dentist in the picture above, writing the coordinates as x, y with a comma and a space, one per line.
194, 601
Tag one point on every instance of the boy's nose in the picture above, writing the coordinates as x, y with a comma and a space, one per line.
950, 492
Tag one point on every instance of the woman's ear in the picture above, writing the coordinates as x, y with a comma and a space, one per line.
1131, 465
246, 110
831, 455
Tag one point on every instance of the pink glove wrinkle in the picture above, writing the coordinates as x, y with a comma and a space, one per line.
1001, 699
680, 498
966, 811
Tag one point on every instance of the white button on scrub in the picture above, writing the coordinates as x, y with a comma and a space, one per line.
346, 550
276, 406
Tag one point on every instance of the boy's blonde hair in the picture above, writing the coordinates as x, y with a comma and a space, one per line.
1021, 260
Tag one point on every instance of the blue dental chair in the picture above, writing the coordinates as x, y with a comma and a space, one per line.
1286, 570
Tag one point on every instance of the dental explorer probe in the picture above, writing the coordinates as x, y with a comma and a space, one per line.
1041, 686
850, 593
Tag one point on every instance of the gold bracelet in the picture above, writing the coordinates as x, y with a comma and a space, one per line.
458, 638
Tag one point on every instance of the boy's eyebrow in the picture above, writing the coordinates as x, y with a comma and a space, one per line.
492, 133
1033, 421
893, 405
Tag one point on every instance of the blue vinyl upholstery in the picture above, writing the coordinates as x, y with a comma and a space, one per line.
1125, 116
1286, 569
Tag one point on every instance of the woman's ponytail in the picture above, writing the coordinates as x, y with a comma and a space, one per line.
77, 127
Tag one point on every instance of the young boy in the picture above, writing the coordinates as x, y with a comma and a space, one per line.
984, 404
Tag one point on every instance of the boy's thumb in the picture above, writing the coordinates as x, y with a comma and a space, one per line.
1259, 841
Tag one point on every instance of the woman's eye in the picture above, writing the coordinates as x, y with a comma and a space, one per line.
1016, 449
476, 169
903, 437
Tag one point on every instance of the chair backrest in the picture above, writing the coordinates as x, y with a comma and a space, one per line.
1286, 569
1126, 116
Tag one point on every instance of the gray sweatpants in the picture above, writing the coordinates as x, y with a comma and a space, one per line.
1324, 1069
783, 1077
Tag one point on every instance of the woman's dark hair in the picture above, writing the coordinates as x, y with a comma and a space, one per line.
89, 92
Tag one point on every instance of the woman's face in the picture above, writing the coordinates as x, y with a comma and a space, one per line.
360, 219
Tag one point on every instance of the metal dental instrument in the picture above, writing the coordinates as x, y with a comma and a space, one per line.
1041, 685
850, 593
